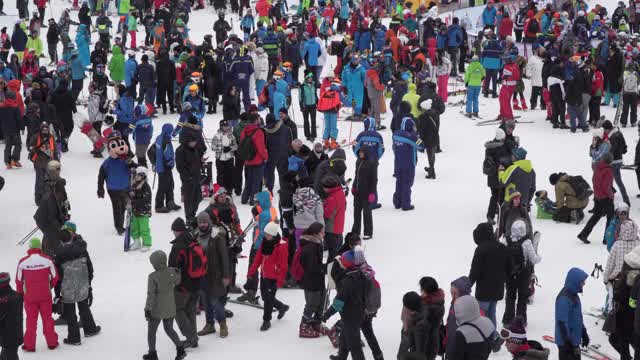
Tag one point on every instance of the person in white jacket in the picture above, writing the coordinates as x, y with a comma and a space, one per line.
261, 67
627, 240
534, 72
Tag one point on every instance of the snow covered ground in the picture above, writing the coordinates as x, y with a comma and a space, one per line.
433, 240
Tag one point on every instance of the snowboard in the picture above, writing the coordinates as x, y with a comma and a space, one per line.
592, 351
86, 127
629, 167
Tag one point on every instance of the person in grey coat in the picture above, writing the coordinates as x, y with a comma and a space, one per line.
213, 239
471, 338
161, 304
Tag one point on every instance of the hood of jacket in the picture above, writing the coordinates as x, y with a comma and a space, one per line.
492, 144
574, 279
368, 152
483, 233
167, 129
435, 298
14, 85
412, 88
369, 124
158, 259
407, 124
264, 199
467, 309
525, 165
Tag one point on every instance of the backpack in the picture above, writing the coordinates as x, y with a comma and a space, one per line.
297, 271
247, 149
515, 256
534, 27
372, 295
494, 340
630, 84
196, 261
329, 101
488, 166
580, 186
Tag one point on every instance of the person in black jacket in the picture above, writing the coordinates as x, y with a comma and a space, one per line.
211, 75
11, 123
488, 269
364, 190
278, 140
74, 285
65, 107
53, 210
429, 125
618, 148
140, 195
188, 163
574, 88
496, 153
187, 293
146, 76
11, 332
53, 37
231, 105
313, 279
166, 75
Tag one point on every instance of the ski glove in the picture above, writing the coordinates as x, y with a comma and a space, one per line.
101, 193
585, 338
372, 198
147, 314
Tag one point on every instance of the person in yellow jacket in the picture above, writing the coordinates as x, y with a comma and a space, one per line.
34, 43
473, 78
413, 99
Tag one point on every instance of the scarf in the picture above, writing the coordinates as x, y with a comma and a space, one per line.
269, 245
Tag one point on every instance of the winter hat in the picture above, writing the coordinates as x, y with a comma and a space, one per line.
218, 190
500, 135
272, 229
283, 111
347, 260
517, 331
412, 301
178, 225
622, 207
513, 192
69, 226
632, 258
141, 170
553, 178
598, 133
304, 151
483, 232
429, 285
607, 125
518, 230
203, 216
519, 153
463, 284
5, 278
35, 243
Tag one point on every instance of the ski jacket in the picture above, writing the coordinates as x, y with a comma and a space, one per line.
188, 161
161, 301
36, 276
258, 137
273, 266
11, 310
218, 260
266, 213
362, 40
116, 174
603, 181
519, 176
491, 57
308, 207
618, 145
311, 261
141, 199
489, 267
474, 75
489, 16
505, 28
406, 144
566, 195
164, 155
75, 270
422, 335
334, 210
534, 70
569, 325
370, 137
471, 343
627, 240
365, 181
178, 260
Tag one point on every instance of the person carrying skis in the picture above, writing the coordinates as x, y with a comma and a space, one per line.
42, 149
272, 259
570, 331
406, 144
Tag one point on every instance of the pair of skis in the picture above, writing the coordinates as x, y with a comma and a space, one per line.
499, 121
591, 351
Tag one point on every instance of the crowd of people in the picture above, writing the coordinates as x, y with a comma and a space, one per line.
576, 60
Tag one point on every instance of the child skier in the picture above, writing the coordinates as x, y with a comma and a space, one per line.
140, 195
329, 103
161, 304
405, 146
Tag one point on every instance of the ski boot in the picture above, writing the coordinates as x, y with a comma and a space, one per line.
248, 297
523, 103
333, 145
325, 144
475, 114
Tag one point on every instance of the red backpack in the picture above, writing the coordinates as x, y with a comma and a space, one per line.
296, 270
196, 261
329, 101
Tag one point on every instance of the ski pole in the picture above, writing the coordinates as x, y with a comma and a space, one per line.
26, 237
153, 185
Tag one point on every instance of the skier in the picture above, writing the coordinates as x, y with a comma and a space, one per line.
473, 78
161, 304
271, 258
510, 75
353, 77
35, 277
11, 331
329, 103
618, 149
570, 331
115, 171
364, 190
405, 146
74, 286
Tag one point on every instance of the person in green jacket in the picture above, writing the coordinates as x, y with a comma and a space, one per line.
161, 303
34, 43
116, 65
473, 78
413, 99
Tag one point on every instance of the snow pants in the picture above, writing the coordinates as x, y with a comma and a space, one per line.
88, 324
602, 207
243, 85
443, 87
268, 289
12, 148
186, 303
546, 96
164, 195
119, 200
536, 92
491, 78
224, 174
517, 291
473, 93
629, 102
9, 353
33, 309
506, 92
356, 96
330, 126
309, 113
350, 342
152, 329
567, 353
140, 229
362, 208
165, 92
404, 182
252, 182
192, 196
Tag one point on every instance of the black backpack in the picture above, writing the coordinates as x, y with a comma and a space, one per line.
580, 187
488, 166
247, 149
515, 256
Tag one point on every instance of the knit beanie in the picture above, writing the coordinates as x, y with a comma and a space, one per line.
412, 301
35, 243
178, 225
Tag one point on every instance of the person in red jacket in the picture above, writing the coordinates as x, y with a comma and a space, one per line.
506, 26
531, 28
334, 209
597, 89
510, 76
253, 168
272, 259
602, 197
35, 277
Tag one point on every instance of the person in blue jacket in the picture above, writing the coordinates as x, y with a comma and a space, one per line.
570, 332
130, 69
491, 60
310, 53
77, 74
441, 38
163, 165
489, 15
343, 15
124, 113
6, 73
19, 39
196, 101
454, 40
353, 76
142, 132
280, 96
371, 138
406, 145
379, 38
115, 171
242, 69
82, 44
362, 38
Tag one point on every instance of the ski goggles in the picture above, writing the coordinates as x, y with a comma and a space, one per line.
512, 337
